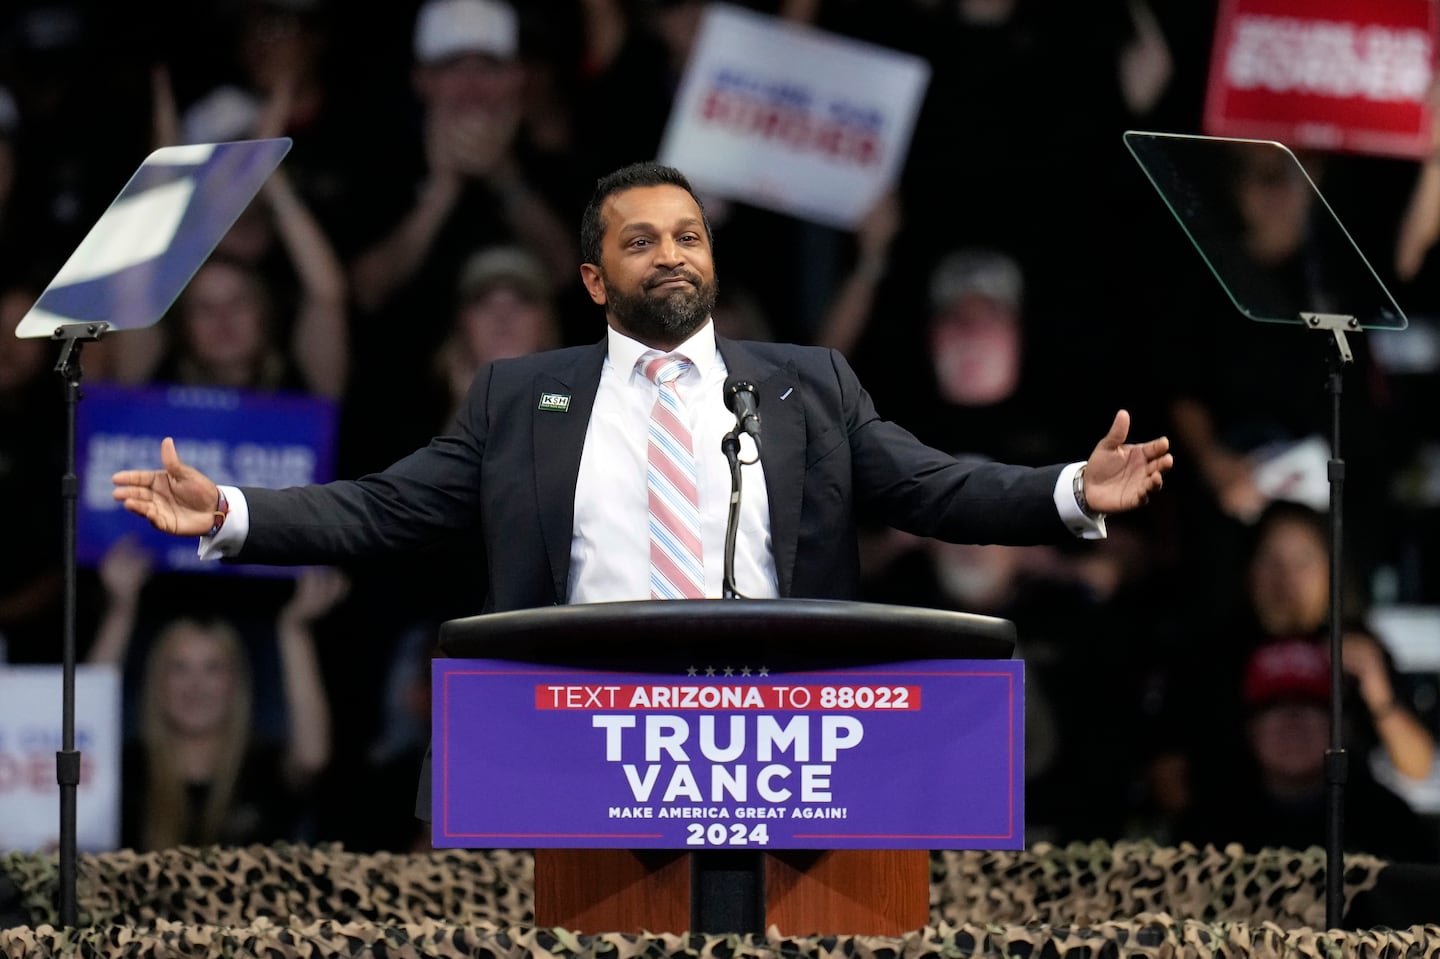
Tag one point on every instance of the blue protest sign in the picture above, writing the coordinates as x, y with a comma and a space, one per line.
236, 437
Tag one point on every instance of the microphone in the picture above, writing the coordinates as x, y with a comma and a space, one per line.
742, 400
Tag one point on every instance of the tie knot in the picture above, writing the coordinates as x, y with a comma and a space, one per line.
666, 369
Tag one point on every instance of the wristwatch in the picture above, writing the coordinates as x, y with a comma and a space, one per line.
1080, 500
222, 510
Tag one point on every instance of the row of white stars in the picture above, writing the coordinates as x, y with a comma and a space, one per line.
762, 672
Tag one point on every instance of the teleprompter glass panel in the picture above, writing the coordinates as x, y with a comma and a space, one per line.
148, 244
1255, 215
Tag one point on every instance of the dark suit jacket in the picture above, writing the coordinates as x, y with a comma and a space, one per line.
509, 467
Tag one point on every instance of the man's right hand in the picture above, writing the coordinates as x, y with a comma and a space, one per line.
178, 499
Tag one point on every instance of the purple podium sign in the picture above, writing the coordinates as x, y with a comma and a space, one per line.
911, 755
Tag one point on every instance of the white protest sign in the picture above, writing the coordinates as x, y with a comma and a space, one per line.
30, 736
791, 118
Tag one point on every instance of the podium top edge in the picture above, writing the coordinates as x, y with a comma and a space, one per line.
802, 627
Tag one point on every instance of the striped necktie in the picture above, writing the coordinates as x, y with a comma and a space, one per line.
677, 566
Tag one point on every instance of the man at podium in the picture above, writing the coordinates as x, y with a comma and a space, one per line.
596, 473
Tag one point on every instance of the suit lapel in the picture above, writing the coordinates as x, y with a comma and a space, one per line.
559, 440
782, 451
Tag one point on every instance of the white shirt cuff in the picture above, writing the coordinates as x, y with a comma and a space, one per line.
1071, 514
232, 535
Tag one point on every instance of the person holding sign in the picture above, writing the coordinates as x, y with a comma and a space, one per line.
547, 463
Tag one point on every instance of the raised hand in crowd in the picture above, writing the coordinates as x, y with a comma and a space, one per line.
238, 295
1408, 745
124, 570
317, 591
464, 141
1146, 64
850, 311
1420, 225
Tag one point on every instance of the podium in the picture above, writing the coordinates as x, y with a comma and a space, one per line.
800, 891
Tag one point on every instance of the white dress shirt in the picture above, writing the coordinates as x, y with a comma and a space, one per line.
610, 549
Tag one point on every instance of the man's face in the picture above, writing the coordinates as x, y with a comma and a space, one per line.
656, 278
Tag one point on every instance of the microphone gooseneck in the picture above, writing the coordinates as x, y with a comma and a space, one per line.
742, 400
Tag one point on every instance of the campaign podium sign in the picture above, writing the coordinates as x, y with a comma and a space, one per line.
1324, 74
917, 755
729, 765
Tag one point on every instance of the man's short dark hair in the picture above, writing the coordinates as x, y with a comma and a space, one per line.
648, 173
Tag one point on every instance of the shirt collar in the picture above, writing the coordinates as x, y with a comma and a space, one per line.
624, 351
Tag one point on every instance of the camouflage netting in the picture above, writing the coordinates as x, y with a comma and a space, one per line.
1093, 901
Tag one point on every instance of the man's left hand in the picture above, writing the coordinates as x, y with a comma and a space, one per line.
1120, 475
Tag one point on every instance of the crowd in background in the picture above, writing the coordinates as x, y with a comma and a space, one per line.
1020, 282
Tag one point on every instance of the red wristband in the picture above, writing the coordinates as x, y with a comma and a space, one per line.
222, 510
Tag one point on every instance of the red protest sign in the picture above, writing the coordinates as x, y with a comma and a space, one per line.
1324, 74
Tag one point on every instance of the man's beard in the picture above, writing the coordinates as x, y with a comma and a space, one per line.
665, 316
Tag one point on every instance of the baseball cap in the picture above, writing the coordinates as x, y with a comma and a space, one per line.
226, 113
451, 28
508, 266
1288, 669
988, 273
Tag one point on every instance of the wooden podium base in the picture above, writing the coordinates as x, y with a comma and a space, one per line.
839, 892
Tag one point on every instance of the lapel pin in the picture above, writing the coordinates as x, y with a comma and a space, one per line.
558, 402
787, 392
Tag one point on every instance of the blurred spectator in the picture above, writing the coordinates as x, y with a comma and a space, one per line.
962, 376
197, 773
280, 49
469, 80
506, 309
1199, 725
32, 459
463, 189
224, 334
1275, 793
269, 308
279, 71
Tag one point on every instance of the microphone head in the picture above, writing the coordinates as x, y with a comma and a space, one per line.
734, 387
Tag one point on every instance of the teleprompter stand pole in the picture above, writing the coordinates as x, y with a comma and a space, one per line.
1336, 762
67, 760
